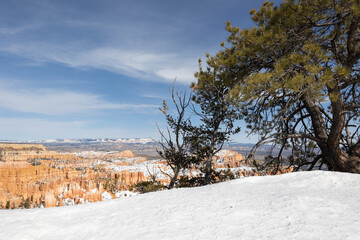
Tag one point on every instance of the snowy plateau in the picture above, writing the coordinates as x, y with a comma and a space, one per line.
90, 140
302, 205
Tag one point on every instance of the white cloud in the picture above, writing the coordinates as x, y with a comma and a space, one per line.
58, 102
140, 40
181, 74
162, 97
145, 65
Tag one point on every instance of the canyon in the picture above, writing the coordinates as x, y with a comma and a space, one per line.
33, 176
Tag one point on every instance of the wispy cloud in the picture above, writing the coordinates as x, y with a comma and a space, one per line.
59, 102
19, 29
145, 65
137, 40
162, 97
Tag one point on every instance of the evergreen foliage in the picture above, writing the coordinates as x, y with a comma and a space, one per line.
148, 186
217, 116
187, 145
295, 80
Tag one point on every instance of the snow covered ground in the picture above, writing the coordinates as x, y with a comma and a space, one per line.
304, 205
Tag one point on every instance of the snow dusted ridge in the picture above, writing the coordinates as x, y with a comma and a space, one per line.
304, 205
90, 140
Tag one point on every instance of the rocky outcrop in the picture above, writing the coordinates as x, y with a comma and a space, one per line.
29, 153
228, 159
22, 152
123, 154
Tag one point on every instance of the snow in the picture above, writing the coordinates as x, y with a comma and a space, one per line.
68, 201
119, 194
304, 205
224, 152
134, 140
106, 196
91, 140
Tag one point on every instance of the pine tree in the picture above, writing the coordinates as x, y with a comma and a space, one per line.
295, 78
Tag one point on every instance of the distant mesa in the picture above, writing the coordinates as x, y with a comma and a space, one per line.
23, 152
88, 140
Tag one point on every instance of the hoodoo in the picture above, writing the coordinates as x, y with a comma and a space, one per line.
32, 176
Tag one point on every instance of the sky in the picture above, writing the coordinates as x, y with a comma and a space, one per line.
91, 69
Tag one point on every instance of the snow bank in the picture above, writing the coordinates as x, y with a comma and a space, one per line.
305, 205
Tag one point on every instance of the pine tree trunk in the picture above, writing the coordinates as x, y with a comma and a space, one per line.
208, 170
174, 178
333, 156
337, 160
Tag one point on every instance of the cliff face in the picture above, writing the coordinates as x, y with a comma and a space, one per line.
32, 175
43, 185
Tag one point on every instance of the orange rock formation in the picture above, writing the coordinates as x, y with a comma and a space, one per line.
32, 176
21, 181
229, 159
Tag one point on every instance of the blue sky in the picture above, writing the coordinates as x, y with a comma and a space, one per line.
76, 69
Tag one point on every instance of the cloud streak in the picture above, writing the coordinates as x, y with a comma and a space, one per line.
144, 65
59, 102
136, 41
17, 30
